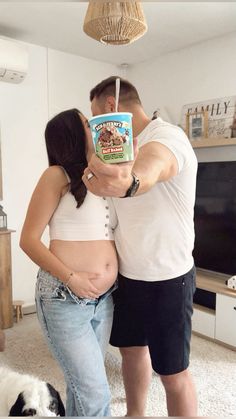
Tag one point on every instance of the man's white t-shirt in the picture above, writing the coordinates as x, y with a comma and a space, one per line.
155, 232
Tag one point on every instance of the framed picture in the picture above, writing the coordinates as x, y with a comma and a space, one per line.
220, 122
197, 125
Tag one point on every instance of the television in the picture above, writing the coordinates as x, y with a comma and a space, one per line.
215, 217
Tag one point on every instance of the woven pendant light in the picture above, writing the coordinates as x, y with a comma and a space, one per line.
115, 22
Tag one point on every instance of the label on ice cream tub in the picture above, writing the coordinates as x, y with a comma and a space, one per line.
113, 137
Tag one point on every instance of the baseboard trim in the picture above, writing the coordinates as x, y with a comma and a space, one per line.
29, 308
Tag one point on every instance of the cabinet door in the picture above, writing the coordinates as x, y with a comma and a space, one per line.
203, 322
226, 319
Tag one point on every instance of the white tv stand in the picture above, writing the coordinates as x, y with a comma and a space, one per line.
219, 324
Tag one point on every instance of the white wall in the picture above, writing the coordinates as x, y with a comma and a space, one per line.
23, 113
70, 79
203, 71
56, 81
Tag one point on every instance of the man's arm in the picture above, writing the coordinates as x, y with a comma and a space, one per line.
154, 163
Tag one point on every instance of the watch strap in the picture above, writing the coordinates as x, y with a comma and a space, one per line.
133, 187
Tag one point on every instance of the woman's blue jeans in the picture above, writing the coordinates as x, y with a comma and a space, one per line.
78, 332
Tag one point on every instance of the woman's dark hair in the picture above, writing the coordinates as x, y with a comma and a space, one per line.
66, 146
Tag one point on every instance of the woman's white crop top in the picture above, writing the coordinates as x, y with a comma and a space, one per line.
95, 219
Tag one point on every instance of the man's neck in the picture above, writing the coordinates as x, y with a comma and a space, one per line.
140, 119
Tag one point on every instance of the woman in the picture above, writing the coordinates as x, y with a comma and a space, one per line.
78, 271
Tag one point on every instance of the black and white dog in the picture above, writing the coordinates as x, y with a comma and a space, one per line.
25, 395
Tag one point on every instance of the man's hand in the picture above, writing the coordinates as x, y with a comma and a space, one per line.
109, 179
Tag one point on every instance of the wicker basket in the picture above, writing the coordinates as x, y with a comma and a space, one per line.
115, 22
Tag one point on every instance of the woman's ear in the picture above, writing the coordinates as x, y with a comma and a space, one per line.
110, 104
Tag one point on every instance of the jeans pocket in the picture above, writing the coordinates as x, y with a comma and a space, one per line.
49, 289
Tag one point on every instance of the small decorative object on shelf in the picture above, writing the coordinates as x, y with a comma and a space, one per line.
156, 114
231, 283
197, 125
3, 219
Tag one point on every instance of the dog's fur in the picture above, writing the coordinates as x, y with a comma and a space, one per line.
25, 395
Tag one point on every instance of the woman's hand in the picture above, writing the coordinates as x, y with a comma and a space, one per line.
81, 283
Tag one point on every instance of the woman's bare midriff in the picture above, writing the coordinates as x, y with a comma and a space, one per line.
98, 256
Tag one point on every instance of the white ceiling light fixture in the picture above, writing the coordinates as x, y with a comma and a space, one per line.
115, 22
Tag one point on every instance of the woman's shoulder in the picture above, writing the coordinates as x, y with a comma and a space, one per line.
56, 174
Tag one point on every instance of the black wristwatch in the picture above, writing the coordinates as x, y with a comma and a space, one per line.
133, 187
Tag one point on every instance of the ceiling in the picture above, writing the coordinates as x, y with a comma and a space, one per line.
171, 26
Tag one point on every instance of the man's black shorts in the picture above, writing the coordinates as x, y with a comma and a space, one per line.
157, 314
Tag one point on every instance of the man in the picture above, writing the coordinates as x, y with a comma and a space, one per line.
154, 200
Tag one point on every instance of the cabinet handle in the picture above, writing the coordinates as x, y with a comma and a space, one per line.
235, 308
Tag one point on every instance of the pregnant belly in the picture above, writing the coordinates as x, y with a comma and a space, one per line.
94, 256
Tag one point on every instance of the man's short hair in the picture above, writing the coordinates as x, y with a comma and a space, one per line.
107, 87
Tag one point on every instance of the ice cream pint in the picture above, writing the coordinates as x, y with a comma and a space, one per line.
113, 137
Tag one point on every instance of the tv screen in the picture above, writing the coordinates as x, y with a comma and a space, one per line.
215, 217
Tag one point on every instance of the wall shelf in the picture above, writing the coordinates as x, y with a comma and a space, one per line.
214, 283
212, 142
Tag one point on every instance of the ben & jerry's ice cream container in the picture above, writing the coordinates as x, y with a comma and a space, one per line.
113, 137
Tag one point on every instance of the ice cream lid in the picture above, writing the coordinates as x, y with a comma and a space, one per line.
110, 114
